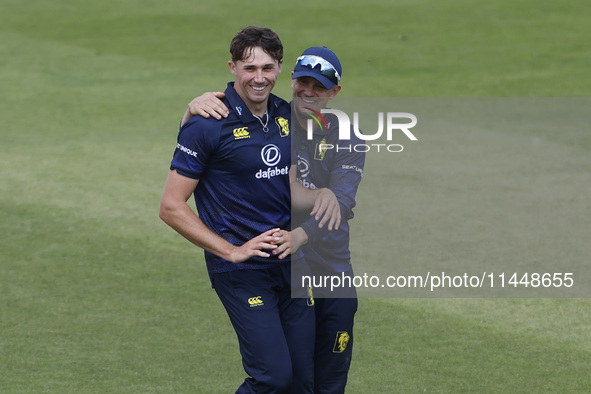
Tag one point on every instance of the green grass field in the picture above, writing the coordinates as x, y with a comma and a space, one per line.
97, 295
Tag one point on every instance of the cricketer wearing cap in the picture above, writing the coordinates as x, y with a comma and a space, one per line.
315, 80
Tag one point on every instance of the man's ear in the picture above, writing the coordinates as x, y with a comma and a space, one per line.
232, 66
335, 90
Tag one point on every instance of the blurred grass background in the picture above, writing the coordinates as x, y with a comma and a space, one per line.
97, 295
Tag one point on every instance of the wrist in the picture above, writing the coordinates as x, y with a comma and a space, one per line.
299, 236
231, 254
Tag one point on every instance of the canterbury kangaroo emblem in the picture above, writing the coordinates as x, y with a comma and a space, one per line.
256, 301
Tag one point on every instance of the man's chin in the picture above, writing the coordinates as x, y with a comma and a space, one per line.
258, 99
307, 107
302, 111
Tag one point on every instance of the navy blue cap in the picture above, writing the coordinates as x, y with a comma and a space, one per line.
321, 64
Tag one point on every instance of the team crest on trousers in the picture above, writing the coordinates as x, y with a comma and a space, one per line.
341, 342
283, 126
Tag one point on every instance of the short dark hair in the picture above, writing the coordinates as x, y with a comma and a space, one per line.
251, 37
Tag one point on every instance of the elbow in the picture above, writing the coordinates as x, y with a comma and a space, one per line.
165, 212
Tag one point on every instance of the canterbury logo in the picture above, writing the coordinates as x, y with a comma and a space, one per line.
256, 301
341, 342
241, 133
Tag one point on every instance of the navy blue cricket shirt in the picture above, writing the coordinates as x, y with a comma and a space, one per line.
340, 170
243, 175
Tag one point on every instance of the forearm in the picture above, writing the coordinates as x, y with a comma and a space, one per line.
302, 199
182, 219
188, 115
206, 105
300, 237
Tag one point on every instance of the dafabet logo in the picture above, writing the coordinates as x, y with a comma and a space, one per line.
271, 157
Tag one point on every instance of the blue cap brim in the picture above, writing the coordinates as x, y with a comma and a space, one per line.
327, 83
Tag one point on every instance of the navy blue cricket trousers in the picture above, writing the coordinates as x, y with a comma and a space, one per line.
275, 331
334, 343
335, 314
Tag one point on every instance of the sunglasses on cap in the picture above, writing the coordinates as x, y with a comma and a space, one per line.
326, 68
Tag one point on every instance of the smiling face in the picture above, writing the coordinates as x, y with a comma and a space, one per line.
309, 94
255, 77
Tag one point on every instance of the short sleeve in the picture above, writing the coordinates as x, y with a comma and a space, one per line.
196, 143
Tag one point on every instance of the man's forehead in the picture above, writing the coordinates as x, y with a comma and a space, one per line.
257, 55
311, 80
